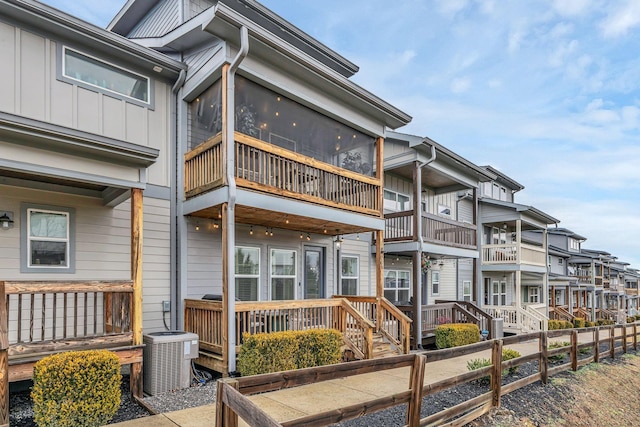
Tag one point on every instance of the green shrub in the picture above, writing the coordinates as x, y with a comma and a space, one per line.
558, 344
457, 334
590, 324
507, 354
606, 322
559, 324
287, 350
76, 388
579, 322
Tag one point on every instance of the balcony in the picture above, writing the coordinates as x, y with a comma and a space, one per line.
437, 230
270, 169
632, 291
514, 253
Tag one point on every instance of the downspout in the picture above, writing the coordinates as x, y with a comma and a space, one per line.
175, 212
418, 299
231, 180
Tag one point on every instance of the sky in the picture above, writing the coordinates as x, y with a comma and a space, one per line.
546, 91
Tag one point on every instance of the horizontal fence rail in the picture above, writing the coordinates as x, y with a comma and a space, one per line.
582, 346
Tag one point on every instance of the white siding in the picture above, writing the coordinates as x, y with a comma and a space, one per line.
362, 249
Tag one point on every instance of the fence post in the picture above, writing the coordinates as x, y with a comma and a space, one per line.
596, 345
624, 338
225, 417
544, 357
416, 383
612, 341
574, 350
496, 374
635, 336
4, 359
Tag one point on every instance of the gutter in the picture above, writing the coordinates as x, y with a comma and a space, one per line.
232, 189
418, 296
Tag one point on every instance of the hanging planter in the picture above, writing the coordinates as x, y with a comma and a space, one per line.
425, 263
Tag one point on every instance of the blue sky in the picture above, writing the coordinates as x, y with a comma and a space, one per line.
546, 91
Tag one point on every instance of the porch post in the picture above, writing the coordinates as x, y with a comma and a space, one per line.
545, 278
474, 284
4, 359
137, 222
380, 233
518, 290
417, 255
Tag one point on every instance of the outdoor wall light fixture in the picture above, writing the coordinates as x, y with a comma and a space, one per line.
6, 220
197, 226
338, 242
504, 226
251, 231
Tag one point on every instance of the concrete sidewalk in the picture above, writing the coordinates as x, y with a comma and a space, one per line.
296, 402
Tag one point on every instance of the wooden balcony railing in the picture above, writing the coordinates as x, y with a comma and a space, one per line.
443, 231
271, 169
560, 312
632, 291
205, 318
514, 253
440, 314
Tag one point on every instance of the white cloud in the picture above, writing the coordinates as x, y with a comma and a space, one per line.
451, 7
460, 85
624, 16
560, 55
514, 41
571, 7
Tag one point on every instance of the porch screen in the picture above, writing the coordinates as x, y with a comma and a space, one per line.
278, 120
283, 274
247, 269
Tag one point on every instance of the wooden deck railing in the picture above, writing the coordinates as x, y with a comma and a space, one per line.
484, 318
514, 253
559, 312
38, 319
205, 318
233, 394
271, 169
387, 318
518, 318
435, 229
440, 314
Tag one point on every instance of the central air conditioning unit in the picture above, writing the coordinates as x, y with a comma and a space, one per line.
167, 359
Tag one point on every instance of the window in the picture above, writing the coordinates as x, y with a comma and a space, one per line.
466, 290
560, 261
496, 191
534, 294
503, 194
47, 238
396, 202
283, 274
247, 269
498, 236
499, 293
349, 275
435, 283
397, 285
99, 74
574, 245
444, 211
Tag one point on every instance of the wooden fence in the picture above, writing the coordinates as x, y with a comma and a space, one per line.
233, 402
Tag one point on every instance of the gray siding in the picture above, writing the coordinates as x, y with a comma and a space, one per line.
465, 210
465, 273
164, 17
30, 88
195, 7
102, 244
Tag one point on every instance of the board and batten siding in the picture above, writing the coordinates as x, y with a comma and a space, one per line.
30, 88
102, 244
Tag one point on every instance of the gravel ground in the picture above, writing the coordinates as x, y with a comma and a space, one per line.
534, 402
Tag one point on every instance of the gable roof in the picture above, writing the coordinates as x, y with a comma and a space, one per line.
504, 179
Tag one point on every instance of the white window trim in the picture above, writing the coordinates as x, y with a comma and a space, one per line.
251, 276
396, 289
357, 276
532, 294
442, 211
276, 276
435, 273
25, 254
470, 294
62, 75
396, 208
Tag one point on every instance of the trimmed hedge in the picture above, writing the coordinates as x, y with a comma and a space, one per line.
76, 388
457, 334
579, 322
287, 350
559, 324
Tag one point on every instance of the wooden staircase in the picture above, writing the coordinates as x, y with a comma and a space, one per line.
383, 348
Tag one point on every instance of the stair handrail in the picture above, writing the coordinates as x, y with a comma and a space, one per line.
365, 326
476, 311
404, 340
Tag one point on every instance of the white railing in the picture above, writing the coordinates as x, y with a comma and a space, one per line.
514, 253
518, 318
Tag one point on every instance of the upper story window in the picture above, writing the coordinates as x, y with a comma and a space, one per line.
100, 74
276, 119
205, 115
574, 245
396, 202
47, 239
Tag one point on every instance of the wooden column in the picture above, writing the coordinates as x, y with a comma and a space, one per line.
137, 222
417, 304
380, 233
4, 359
416, 382
544, 357
224, 145
417, 255
475, 285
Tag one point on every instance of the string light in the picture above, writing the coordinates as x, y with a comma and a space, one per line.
308, 236
197, 227
251, 231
